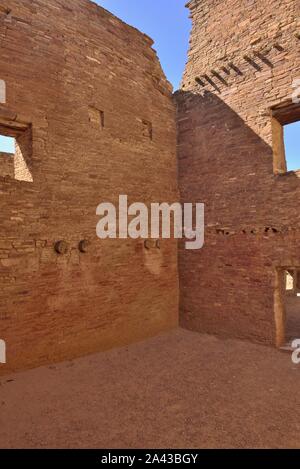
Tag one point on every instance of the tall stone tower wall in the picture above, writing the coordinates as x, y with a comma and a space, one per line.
236, 97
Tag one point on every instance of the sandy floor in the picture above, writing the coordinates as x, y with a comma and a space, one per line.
178, 390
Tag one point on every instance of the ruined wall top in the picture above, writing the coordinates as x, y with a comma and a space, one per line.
227, 30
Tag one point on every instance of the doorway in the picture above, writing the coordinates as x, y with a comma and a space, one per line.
287, 305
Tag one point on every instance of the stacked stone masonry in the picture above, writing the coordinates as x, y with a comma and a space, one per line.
80, 87
93, 117
243, 59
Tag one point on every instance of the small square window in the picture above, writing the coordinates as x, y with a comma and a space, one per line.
147, 129
286, 138
96, 117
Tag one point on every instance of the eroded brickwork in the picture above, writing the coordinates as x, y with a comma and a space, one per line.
243, 58
94, 116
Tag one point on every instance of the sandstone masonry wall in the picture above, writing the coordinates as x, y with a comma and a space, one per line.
94, 118
243, 58
7, 164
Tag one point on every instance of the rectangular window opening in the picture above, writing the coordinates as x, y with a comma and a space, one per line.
147, 129
292, 146
16, 151
7, 154
7, 145
286, 138
96, 117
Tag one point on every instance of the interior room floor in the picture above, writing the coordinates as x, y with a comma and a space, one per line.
178, 390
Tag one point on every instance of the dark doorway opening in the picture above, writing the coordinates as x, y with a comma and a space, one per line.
292, 304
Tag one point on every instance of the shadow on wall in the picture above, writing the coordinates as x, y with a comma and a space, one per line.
229, 167
220, 147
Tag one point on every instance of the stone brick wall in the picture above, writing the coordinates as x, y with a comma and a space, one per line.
91, 92
6, 164
243, 58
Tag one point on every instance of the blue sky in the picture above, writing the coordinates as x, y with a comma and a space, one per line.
7, 144
167, 23
292, 145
